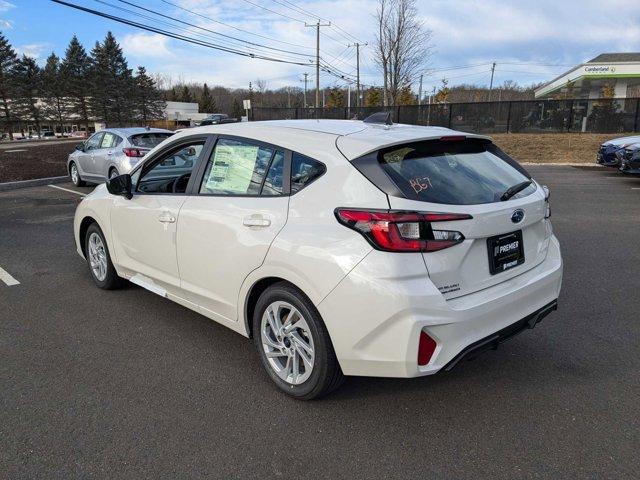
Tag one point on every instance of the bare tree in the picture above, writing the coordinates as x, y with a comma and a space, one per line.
403, 46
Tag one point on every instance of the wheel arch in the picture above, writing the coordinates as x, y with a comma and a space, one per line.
86, 222
253, 294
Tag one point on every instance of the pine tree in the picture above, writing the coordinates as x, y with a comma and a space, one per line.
148, 102
336, 97
112, 82
185, 95
207, 104
8, 61
75, 68
373, 97
236, 109
406, 96
28, 89
54, 92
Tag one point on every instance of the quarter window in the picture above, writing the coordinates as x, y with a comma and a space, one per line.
237, 167
304, 170
171, 173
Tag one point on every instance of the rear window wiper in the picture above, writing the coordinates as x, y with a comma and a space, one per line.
511, 191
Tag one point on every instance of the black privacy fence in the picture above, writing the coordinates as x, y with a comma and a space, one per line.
536, 116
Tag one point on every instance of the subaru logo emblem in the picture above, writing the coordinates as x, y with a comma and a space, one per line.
517, 216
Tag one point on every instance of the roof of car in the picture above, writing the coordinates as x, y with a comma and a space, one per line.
136, 130
354, 138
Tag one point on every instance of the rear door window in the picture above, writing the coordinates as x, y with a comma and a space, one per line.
456, 172
109, 140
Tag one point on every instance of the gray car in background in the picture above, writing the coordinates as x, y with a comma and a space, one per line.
111, 152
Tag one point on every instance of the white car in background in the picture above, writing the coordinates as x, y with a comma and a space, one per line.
341, 247
111, 152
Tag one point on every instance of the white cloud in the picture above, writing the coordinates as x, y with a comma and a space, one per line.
6, 6
145, 45
33, 50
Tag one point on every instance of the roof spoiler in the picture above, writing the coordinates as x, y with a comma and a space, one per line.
379, 117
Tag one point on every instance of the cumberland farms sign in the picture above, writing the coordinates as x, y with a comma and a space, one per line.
602, 70
599, 69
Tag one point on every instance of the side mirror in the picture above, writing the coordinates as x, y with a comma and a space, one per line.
120, 185
80, 146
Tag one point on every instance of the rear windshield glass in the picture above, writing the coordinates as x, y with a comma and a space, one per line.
148, 140
458, 172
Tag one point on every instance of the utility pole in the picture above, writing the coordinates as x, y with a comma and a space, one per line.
305, 89
420, 92
317, 25
288, 97
358, 45
493, 69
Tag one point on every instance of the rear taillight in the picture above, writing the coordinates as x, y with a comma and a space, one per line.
426, 347
134, 152
398, 231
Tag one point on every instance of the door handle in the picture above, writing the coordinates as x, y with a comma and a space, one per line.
166, 217
256, 221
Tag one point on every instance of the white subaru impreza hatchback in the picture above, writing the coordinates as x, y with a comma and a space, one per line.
341, 247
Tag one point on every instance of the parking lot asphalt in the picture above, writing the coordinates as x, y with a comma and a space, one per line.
125, 384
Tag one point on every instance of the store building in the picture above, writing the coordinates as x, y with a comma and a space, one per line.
609, 75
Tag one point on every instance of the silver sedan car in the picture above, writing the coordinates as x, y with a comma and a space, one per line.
111, 152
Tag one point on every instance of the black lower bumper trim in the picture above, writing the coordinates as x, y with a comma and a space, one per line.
492, 341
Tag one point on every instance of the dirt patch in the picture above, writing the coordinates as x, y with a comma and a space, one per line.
27, 161
553, 147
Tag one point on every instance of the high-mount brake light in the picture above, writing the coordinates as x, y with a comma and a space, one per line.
134, 152
453, 138
399, 231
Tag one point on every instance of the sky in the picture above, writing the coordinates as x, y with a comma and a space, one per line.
530, 41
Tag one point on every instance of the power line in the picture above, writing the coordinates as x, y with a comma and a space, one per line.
344, 33
233, 26
273, 11
198, 27
177, 36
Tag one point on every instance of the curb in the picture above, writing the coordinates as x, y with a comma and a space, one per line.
37, 182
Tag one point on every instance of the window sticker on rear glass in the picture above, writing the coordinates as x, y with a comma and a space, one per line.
232, 168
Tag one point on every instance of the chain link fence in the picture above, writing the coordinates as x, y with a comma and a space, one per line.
614, 115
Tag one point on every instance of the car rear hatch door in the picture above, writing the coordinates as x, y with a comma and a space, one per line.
505, 236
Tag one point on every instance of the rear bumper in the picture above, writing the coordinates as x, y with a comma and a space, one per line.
375, 315
494, 340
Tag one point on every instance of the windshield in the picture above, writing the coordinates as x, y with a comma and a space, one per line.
458, 172
149, 140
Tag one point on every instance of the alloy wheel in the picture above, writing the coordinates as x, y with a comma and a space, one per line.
287, 342
97, 257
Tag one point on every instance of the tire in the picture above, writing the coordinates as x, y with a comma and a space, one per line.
75, 175
102, 271
325, 374
113, 172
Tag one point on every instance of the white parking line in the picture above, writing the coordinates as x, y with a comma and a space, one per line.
8, 279
68, 190
635, 188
